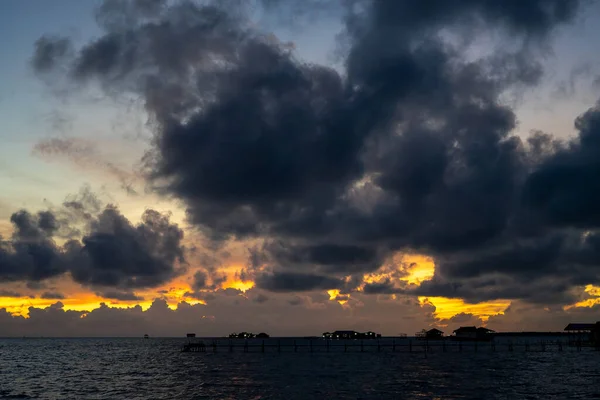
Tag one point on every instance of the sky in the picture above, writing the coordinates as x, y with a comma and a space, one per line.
294, 167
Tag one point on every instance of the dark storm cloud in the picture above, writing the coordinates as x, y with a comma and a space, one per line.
31, 254
117, 295
52, 296
11, 293
117, 253
112, 252
385, 287
411, 148
564, 190
295, 282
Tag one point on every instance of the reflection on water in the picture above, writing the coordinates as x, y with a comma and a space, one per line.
155, 369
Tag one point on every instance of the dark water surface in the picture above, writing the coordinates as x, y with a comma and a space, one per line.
155, 369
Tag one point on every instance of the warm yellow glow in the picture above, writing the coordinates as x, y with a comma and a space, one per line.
333, 296
588, 303
20, 306
446, 308
175, 295
78, 301
414, 268
421, 268
240, 285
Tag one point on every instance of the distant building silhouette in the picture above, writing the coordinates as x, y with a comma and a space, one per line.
247, 335
431, 334
585, 332
351, 335
473, 333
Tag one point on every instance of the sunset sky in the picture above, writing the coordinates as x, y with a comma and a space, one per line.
298, 167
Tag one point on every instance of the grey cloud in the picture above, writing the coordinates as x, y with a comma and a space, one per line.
49, 52
259, 144
52, 296
295, 282
84, 153
111, 252
11, 293
117, 295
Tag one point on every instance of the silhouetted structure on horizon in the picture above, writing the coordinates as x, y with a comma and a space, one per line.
473, 333
351, 335
431, 334
584, 332
248, 335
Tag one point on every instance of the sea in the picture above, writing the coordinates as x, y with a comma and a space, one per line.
155, 368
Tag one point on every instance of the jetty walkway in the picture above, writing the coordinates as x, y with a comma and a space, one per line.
384, 345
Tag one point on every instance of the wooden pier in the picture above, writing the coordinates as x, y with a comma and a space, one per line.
378, 346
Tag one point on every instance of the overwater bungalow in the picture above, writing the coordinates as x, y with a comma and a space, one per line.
472, 333
431, 334
351, 335
247, 335
584, 333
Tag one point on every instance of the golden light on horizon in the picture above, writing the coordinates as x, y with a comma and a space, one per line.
20, 306
446, 308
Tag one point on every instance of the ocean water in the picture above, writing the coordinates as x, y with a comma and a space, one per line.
156, 369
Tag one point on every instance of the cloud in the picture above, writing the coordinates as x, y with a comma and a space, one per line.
410, 149
11, 293
52, 296
295, 282
111, 251
123, 296
225, 313
84, 153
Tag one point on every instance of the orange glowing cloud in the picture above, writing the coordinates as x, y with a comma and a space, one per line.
591, 290
446, 308
334, 296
